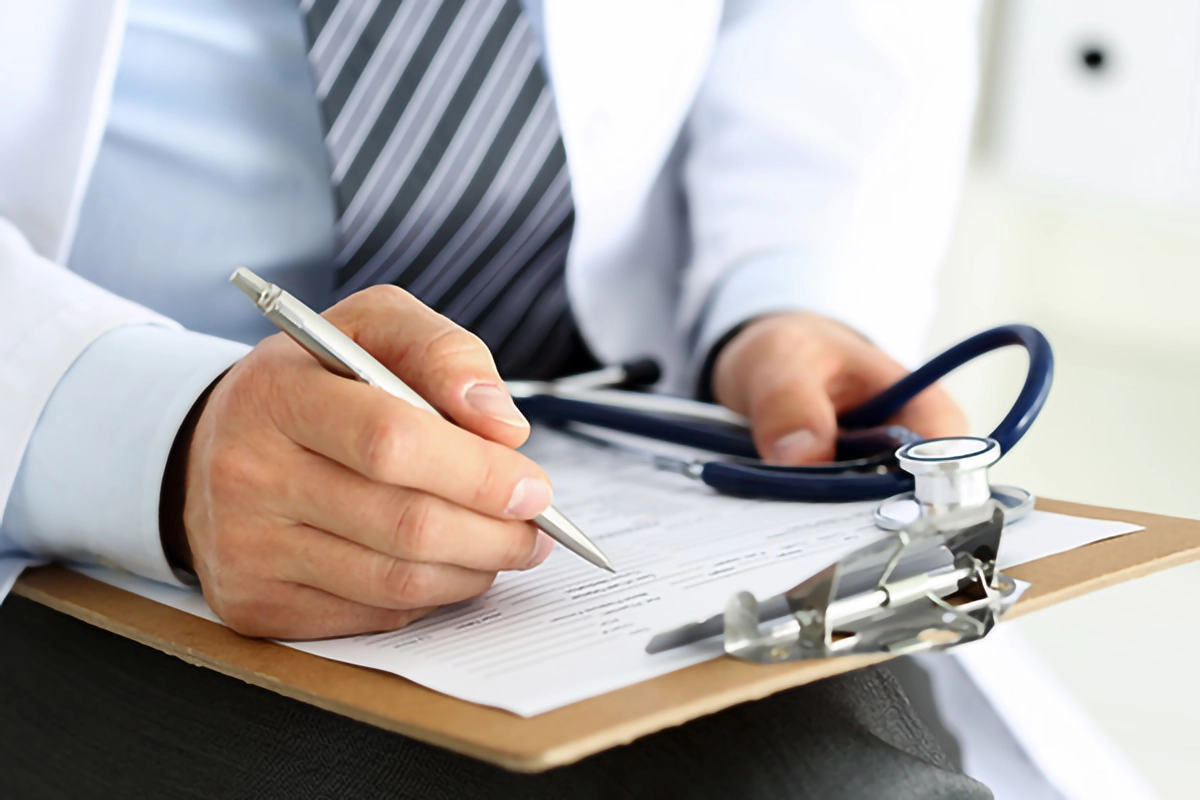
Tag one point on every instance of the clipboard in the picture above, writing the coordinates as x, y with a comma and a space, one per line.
573, 732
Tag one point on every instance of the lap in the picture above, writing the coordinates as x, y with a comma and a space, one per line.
84, 712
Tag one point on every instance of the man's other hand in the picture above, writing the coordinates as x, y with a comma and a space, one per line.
793, 373
319, 506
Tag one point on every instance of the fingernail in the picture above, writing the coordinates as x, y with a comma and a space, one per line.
794, 447
542, 551
494, 401
531, 497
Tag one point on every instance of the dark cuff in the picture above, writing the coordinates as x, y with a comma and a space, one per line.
704, 387
173, 492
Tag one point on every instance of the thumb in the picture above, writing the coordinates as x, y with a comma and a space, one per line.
791, 415
793, 420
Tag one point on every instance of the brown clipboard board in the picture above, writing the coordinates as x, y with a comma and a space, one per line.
590, 726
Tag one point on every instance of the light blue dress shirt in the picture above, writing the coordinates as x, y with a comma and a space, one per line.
213, 157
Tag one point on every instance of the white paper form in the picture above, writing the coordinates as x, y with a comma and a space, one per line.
567, 631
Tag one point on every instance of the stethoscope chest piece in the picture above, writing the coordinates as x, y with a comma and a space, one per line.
949, 474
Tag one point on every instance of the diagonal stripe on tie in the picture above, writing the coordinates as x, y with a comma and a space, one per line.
482, 178
316, 15
351, 168
448, 168
435, 147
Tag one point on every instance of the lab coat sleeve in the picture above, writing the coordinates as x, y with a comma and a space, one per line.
89, 477
824, 155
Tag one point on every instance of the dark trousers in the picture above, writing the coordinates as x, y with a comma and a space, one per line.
85, 713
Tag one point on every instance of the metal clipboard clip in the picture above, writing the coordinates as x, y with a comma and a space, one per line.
929, 586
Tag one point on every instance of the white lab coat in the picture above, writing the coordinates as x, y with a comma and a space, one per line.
827, 135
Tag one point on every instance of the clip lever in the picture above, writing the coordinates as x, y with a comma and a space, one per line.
884, 598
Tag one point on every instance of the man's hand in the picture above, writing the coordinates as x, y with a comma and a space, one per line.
318, 506
792, 374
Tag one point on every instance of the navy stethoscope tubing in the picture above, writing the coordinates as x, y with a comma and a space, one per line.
866, 466
556, 410
1025, 409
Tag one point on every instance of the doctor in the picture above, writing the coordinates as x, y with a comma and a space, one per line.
747, 193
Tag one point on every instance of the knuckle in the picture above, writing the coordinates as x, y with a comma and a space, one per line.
246, 374
381, 443
450, 346
237, 616
382, 294
232, 471
417, 529
354, 312
487, 493
245, 614
405, 583
520, 545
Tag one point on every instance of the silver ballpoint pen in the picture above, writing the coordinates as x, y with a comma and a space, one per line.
339, 354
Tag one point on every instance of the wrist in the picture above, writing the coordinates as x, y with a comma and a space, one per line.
173, 493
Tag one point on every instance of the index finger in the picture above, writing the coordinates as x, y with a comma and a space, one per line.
444, 363
933, 413
387, 440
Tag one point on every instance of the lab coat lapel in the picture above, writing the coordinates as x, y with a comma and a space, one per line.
624, 74
58, 59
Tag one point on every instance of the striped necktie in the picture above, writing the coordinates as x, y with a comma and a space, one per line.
448, 168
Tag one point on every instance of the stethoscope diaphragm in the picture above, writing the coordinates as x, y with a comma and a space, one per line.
901, 510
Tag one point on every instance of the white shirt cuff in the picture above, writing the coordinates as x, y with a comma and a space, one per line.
89, 483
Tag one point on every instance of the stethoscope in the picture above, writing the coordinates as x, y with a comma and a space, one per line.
874, 460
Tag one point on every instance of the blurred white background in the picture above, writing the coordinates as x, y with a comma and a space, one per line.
1081, 215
